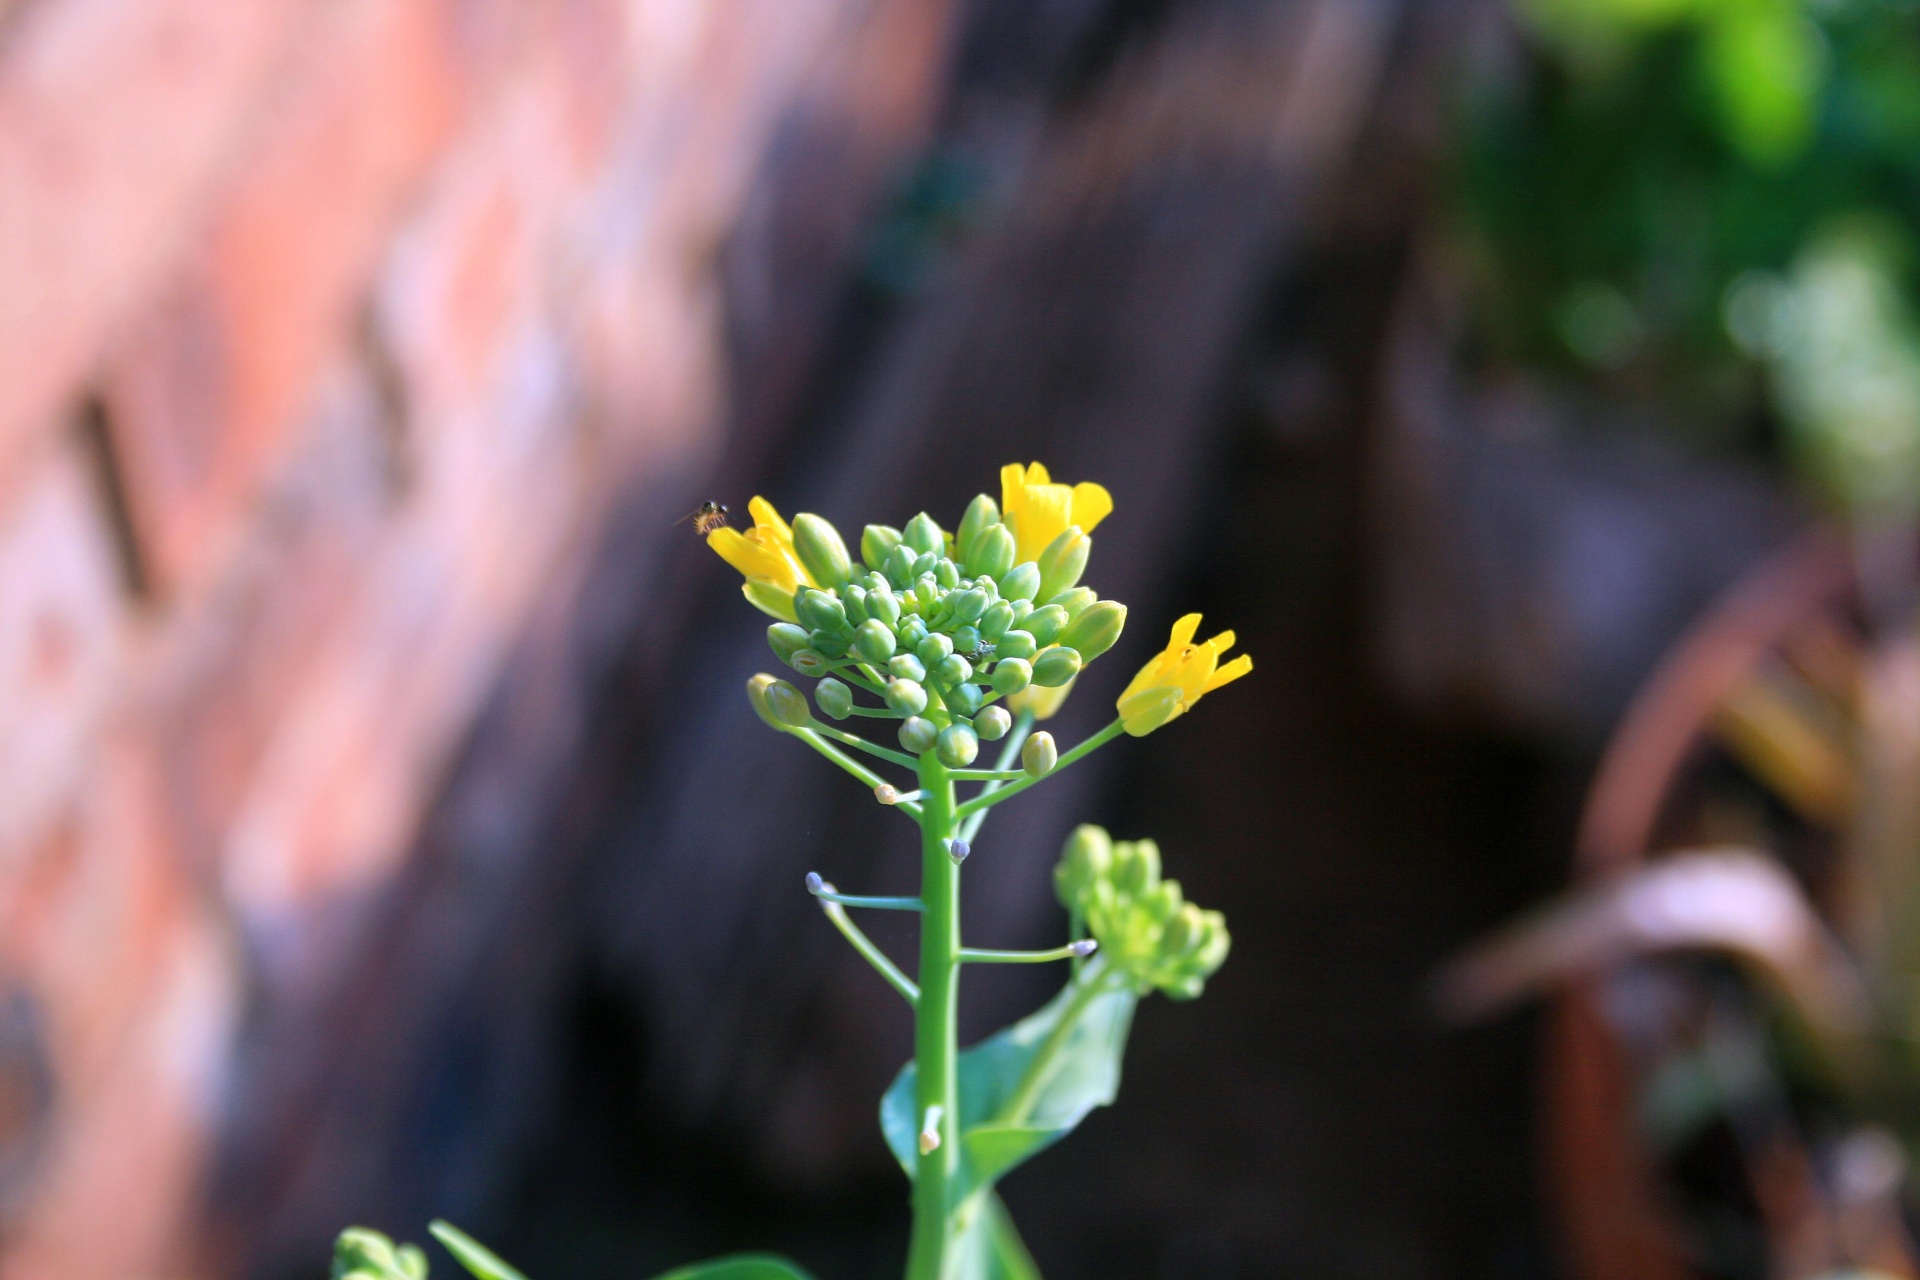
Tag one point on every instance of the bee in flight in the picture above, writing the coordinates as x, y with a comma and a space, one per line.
706, 518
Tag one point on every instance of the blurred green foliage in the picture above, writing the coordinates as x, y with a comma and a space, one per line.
1642, 198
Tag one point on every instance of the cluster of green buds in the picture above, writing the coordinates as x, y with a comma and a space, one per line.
1144, 926
944, 627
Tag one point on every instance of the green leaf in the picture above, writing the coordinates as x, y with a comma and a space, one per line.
989, 1248
1065, 1059
471, 1254
740, 1266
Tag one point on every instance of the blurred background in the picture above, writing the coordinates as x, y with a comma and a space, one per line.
1534, 386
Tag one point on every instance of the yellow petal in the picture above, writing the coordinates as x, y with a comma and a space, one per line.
1091, 504
1183, 633
749, 557
1037, 474
1221, 643
1013, 483
1046, 511
765, 517
1229, 673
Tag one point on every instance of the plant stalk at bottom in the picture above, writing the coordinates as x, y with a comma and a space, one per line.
936, 1030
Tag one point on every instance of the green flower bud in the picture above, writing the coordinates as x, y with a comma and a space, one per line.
899, 566
877, 542
1064, 560
1011, 675
360, 1254
1075, 601
918, 735
819, 611
1085, 860
810, 662
1095, 630
784, 638
833, 698
933, 649
757, 695
912, 631
995, 622
907, 667
924, 581
924, 536
788, 704
951, 670
968, 605
854, 597
1015, 644
964, 699
1022, 609
1183, 933
1136, 867
958, 745
946, 573
992, 552
873, 641
982, 513
883, 604
906, 697
1022, 582
1162, 902
1055, 666
966, 639
1045, 624
1039, 755
992, 723
820, 549
831, 643
986, 584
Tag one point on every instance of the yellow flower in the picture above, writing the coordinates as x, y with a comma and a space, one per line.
1038, 511
764, 555
1043, 702
1177, 677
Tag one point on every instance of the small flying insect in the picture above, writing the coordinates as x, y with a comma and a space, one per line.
707, 517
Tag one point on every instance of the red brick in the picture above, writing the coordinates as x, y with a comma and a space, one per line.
115, 115
218, 374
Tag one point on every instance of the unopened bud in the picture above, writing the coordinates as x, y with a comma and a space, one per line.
946, 573
917, 734
958, 746
1039, 755
964, 699
831, 643
907, 667
819, 611
886, 793
1083, 947
983, 513
996, 621
814, 883
1064, 560
991, 554
883, 605
899, 566
1022, 582
873, 641
877, 542
1085, 860
1045, 624
757, 694
854, 597
1075, 601
1011, 675
932, 649
1055, 666
968, 605
992, 723
958, 850
930, 1130
951, 670
923, 535
820, 549
1095, 630
788, 704
1136, 867
784, 638
1016, 644
833, 698
906, 697
912, 631
810, 662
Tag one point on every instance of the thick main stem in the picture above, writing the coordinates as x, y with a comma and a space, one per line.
936, 1028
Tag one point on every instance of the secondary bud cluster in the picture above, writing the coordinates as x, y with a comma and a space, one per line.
1143, 924
942, 625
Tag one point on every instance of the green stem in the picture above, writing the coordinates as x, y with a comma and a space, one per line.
852, 766
987, 799
827, 893
987, 775
936, 1029
1022, 726
859, 743
872, 954
977, 955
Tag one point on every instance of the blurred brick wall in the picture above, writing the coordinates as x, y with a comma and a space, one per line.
330, 331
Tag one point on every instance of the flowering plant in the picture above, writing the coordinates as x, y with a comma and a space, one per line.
962, 638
